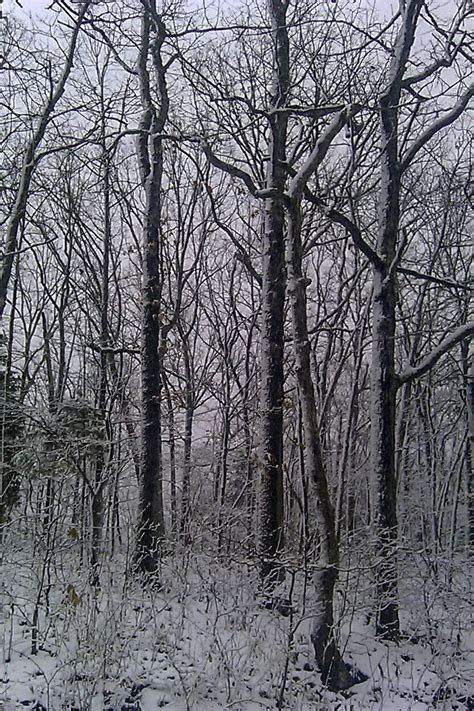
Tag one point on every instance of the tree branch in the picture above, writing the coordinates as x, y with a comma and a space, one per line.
113, 351
242, 255
317, 155
450, 283
416, 371
441, 123
354, 231
28, 166
228, 168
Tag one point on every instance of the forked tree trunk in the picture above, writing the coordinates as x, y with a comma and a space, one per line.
335, 673
383, 379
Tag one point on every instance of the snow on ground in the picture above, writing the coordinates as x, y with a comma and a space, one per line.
201, 641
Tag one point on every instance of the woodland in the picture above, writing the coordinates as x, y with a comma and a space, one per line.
236, 373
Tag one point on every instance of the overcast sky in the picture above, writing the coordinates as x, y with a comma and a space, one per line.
28, 5
385, 8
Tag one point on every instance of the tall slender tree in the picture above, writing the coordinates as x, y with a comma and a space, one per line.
384, 382
270, 497
155, 106
333, 669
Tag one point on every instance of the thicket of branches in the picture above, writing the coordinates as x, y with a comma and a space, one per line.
235, 291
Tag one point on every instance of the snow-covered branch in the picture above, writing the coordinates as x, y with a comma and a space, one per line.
341, 219
449, 283
453, 45
317, 155
403, 44
228, 168
416, 371
446, 120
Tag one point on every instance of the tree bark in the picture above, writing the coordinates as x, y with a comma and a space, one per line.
190, 406
270, 497
383, 380
151, 517
172, 451
468, 377
335, 673
101, 463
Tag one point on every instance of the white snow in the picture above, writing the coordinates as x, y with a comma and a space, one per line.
203, 642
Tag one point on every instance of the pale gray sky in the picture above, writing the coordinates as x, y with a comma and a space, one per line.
27, 5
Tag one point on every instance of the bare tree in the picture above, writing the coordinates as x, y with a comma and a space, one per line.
270, 497
393, 163
31, 157
333, 669
150, 153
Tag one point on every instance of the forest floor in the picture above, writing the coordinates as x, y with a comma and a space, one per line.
203, 641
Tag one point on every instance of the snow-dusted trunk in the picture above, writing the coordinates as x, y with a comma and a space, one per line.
383, 383
97, 520
383, 396
248, 439
270, 526
224, 459
101, 460
172, 450
468, 376
383, 379
334, 671
151, 519
187, 444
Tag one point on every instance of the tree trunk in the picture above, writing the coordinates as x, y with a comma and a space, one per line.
270, 526
383, 380
151, 518
97, 524
101, 459
188, 439
383, 395
347, 459
468, 377
334, 671
172, 450
224, 454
